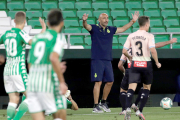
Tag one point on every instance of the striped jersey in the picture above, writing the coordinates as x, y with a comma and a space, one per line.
15, 41
42, 77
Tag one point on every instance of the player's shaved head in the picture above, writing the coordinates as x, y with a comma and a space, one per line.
103, 19
143, 20
20, 18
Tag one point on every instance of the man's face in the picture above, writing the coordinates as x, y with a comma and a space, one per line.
103, 19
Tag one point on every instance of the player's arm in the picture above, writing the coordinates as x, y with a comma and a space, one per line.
162, 44
74, 104
155, 56
85, 25
121, 66
125, 49
127, 26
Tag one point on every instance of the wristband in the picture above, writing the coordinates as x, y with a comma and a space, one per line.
133, 21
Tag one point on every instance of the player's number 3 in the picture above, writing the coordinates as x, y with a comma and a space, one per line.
11, 46
39, 51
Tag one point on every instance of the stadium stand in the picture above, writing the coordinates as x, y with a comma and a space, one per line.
164, 15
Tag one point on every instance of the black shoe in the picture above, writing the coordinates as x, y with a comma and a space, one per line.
105, 107
96, 109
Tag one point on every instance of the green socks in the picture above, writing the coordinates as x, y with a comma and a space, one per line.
23, 108
11, 109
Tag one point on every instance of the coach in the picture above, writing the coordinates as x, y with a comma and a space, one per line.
101, 56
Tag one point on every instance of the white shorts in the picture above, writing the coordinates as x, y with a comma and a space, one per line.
14, 83
45, 102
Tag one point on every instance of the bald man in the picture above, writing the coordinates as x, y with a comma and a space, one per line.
101, 56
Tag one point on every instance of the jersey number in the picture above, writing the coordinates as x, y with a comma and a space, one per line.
11, 46
39, 51
140, 48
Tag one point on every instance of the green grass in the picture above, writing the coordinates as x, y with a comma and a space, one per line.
150, 113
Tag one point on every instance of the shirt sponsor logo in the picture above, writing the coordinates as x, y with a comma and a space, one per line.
140, 64
108, 31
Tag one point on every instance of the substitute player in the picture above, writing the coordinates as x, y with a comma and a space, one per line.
45, 76
142, 44
124, 83
101, 56
15, 74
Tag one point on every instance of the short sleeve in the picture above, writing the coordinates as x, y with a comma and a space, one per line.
92, 28
64, 39
123, 58
59, 44
114, 30
151, 41
127, 44
1, 39
26, 38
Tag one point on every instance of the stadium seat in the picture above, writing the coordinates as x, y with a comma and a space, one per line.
45, 14
133, 4
33, 4
169, 12
166, 4
150, 4
69, 13
128, 30
6, 21
88, 11
83, 4
13, 23
27, 29
49, 5
3, 14
73, 29
90, 20
34, 13
3, 29
116, 4
13, 13
158, 29
173, 29
119, 12
176, 45
3, 4
71, 21
162, 38
177, 5
34, 22
110, 22
121, 21
130, 12
135, 29
84, 30
66, 4
77, 40
115, 44
171, 21
151, 12
35, 31
100, 4
15, 5
156, 21
87, 40
99, 11
87, 46
122, 39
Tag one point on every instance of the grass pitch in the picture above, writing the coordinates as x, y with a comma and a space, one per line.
150, 113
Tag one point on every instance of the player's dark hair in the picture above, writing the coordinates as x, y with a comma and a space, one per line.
55, 17
143, 20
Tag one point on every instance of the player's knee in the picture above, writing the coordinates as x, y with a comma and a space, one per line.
98, 84
109, 83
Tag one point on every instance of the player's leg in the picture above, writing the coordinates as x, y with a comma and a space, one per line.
38, 116
60, 115
108, 77
97, 70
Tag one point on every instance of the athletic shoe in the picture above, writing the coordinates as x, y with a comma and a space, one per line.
128, 114
134, 107
123, 112
97, 110
105, 107
140, 115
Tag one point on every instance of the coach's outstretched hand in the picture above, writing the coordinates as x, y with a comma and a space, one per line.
135, 16
85, 17
158, 65
174, 40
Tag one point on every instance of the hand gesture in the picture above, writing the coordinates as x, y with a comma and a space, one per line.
135, 16
85, 17
43, 24
63, 88
158, 65
174, 40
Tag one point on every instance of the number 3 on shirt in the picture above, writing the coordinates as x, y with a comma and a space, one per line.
39, 51
11, 47
140, 48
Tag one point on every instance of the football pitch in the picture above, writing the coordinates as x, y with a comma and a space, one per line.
150, 113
